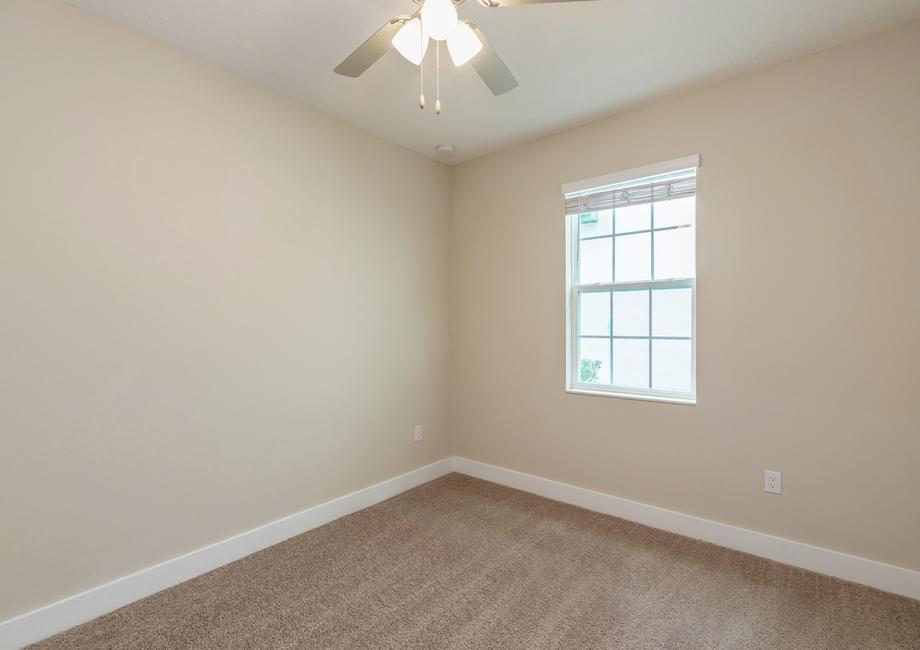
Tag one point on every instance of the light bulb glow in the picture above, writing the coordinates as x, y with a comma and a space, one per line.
439, 18
463, 44
410, 42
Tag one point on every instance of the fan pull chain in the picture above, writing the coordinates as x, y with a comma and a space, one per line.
421, 69
437, 103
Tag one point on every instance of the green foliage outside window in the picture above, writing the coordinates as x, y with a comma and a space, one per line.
589, 370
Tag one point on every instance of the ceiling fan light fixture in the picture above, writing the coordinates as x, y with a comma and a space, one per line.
439, 18
463, 44
411, 42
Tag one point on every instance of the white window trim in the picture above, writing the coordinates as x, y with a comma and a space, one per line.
572, 291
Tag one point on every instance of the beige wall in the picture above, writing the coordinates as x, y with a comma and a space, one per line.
808, 306
218, 308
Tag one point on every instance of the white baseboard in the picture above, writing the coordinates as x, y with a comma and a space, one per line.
886, 577
64, 614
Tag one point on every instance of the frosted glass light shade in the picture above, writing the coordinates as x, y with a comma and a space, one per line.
463, 44
439, 18
410, 42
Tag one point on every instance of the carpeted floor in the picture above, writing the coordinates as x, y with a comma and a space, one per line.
461, 563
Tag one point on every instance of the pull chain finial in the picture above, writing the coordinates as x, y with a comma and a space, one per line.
437, 103
421, 66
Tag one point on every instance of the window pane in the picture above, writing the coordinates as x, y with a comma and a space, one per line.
595, 224
630, 363
594, 314
634, 217
678, 212
595, 261
594, 361
630, 313
673, 254
672, 312
633, 257
671, 365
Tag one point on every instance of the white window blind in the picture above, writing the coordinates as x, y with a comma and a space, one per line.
608, 199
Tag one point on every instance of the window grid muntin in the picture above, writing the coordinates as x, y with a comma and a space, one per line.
636, 232
646, 285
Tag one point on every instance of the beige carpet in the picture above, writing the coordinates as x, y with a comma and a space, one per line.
461, 563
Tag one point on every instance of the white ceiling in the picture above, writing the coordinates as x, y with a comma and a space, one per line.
575, 61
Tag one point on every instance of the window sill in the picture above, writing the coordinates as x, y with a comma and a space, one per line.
687, 401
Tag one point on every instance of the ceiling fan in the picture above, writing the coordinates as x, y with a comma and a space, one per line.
437, 20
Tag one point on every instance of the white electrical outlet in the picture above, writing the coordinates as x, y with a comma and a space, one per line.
772, 482
419, 433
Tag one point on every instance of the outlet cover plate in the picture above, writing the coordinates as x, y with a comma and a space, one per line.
772, 482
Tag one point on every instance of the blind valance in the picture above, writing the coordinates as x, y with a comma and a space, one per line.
605, 199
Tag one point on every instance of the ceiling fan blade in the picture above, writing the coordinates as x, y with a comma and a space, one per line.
370, 51
511, 3
491, 67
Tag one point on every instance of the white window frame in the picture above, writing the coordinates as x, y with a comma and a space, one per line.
573, 291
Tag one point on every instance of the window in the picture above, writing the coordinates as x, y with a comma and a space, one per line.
631, 283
